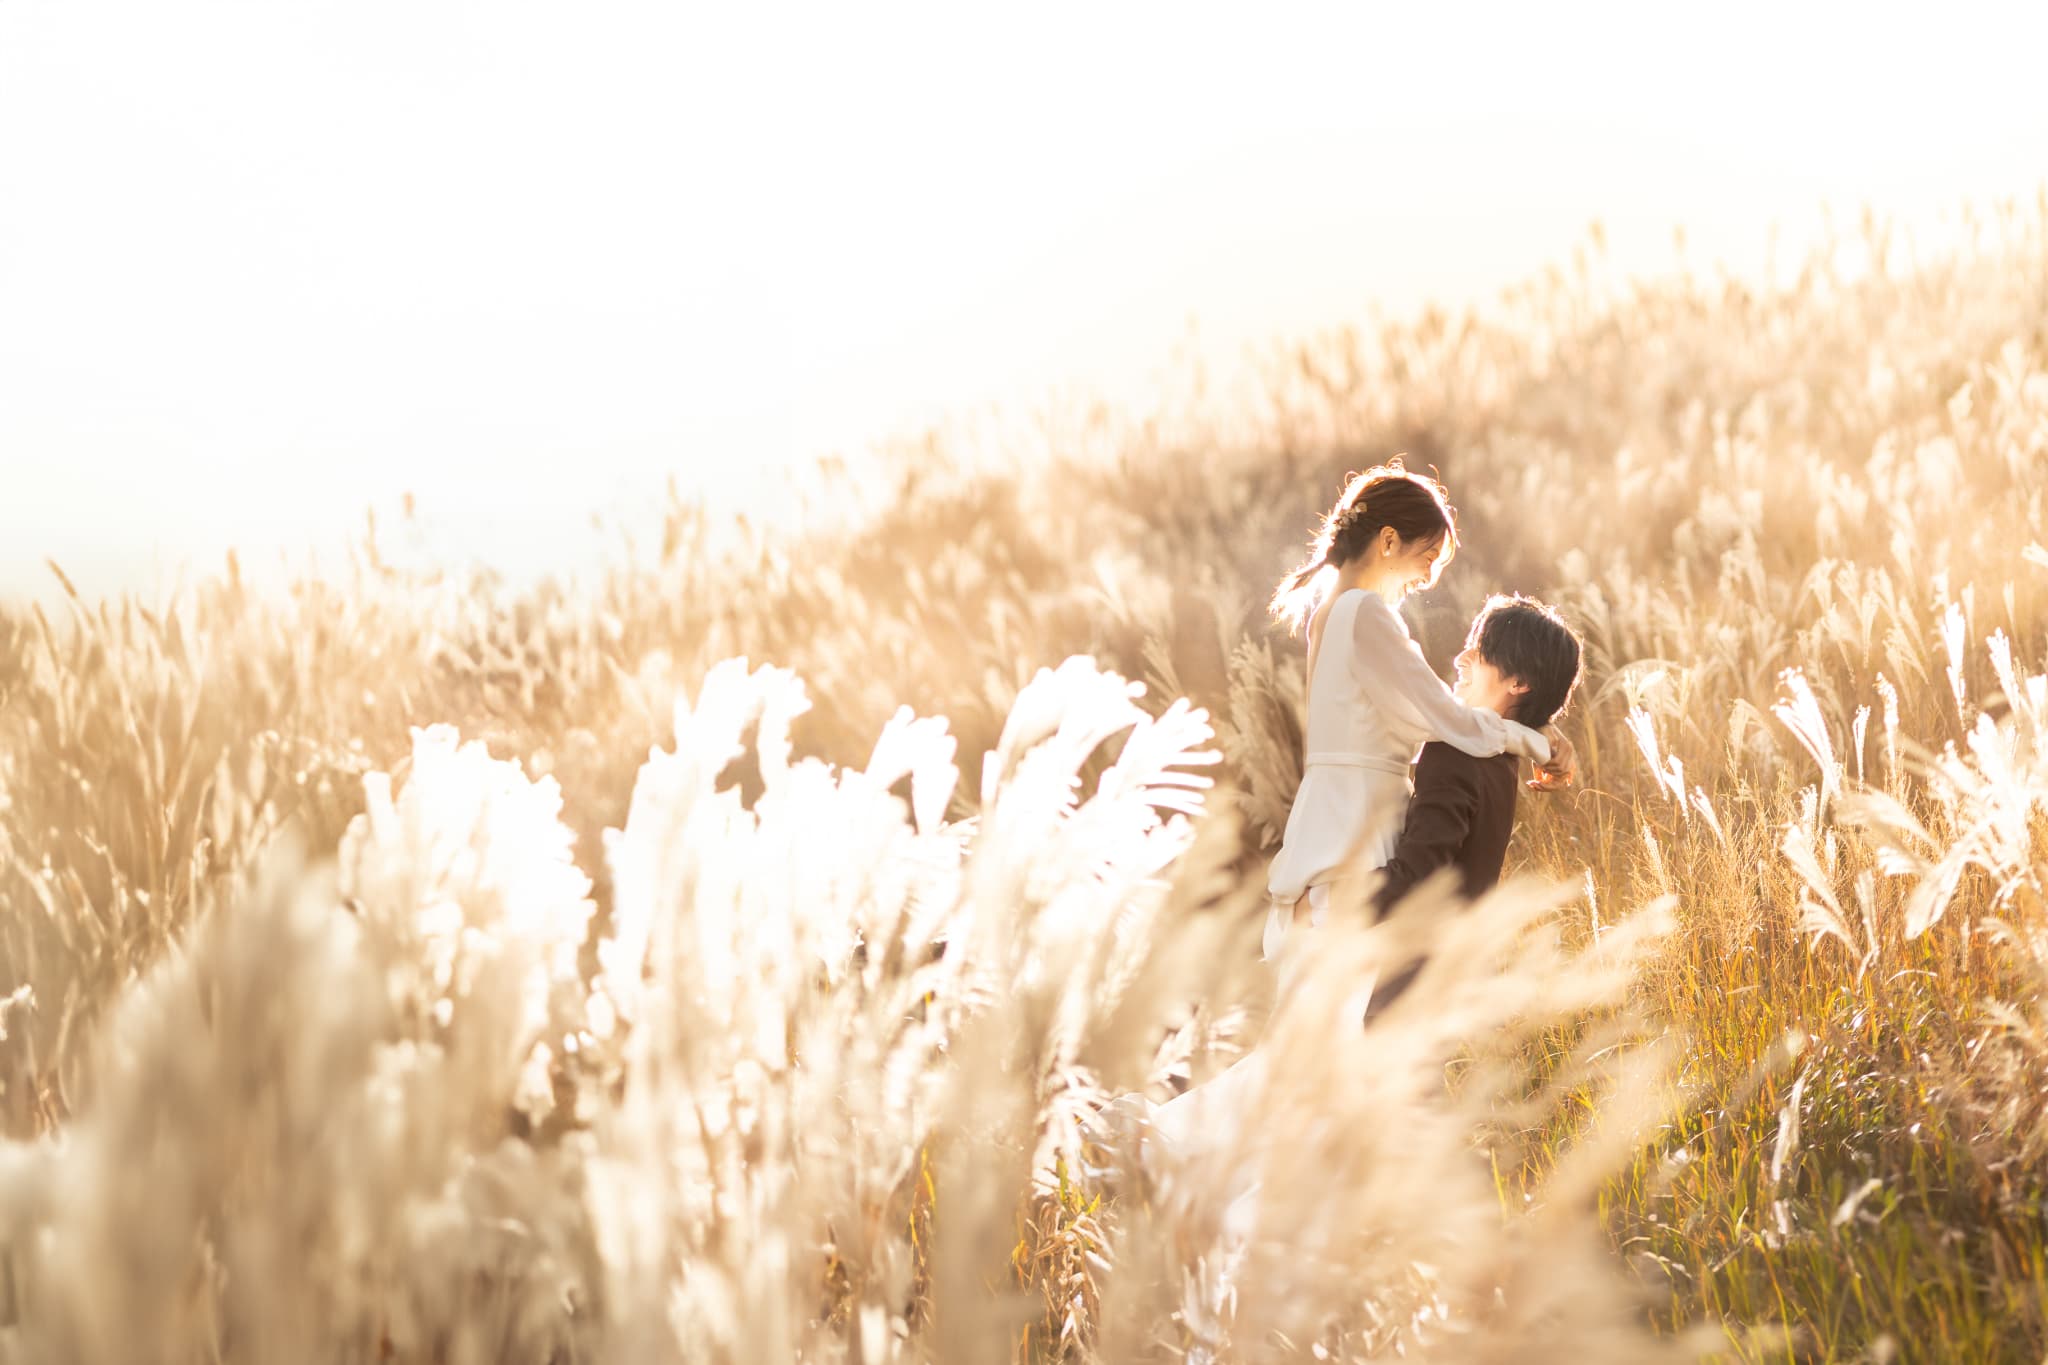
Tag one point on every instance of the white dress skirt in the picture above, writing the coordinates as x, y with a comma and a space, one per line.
1346, 820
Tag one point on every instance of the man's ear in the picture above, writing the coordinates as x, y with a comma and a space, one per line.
1516, 687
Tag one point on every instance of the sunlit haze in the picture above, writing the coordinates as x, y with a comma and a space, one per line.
263, 266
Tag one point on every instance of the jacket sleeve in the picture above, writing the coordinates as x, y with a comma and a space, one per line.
1439, 819
1391, 668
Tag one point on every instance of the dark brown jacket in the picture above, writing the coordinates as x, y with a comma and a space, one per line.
1461, 815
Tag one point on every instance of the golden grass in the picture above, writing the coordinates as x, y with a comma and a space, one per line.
667, 1008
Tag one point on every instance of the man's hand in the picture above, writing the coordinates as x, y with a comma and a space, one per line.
1563, 765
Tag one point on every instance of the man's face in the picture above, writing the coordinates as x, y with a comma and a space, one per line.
1481, 684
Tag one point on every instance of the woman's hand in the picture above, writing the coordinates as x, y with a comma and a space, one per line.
1563, 765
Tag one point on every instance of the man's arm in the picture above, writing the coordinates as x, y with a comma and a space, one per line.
1439, 819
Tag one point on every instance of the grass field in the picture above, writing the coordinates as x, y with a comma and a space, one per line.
405, 968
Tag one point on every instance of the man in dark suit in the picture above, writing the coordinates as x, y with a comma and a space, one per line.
1521, 660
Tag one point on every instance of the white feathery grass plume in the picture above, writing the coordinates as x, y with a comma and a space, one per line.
1802, 716
2027, 695
1846, 1211
1704, 804
1902, 844
1748, 728
1669, 777
1784, 1150
467, 888
1060, 716
1033, 831
1820, 910
667, 796
1952, 639
1889, 696
1859, 729
1259, 728
922, 751
1655, 852
1930, 896
1989, 795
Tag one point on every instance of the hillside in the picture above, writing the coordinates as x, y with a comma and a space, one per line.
429, 1068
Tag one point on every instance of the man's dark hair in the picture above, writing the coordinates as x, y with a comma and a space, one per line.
1525, 639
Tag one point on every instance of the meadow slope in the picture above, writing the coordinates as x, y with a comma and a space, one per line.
766, 1026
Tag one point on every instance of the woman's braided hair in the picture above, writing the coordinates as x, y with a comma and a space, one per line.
1387, 495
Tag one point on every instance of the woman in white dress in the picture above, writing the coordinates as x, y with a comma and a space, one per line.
1373, 700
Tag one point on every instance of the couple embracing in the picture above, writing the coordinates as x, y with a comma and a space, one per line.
1374, 702
1376, 708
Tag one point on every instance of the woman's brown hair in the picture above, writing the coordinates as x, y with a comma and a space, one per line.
1387, 495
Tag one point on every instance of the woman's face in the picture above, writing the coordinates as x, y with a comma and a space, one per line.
1404, 565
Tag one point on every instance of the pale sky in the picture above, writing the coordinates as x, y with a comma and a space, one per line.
264, 263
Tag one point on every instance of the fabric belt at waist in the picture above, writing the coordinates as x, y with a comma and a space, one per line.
1335, 759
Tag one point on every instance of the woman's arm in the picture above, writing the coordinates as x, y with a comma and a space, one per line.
1563, 766
1392, 668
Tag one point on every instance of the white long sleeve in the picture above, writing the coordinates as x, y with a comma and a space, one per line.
1390, 668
